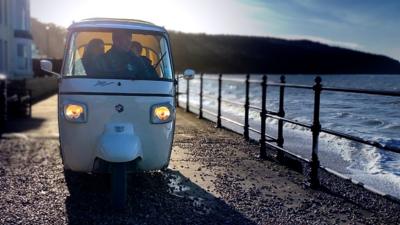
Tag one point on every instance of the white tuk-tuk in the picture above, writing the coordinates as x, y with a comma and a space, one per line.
116, 100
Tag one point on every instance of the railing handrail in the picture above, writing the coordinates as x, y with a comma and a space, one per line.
301, 86
289, 85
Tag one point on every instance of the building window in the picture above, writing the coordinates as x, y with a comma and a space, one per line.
1, 11
6, 12
20, 50
22, 53
23, 20
2, 56
6, 56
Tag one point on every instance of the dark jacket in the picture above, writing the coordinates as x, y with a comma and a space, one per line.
126, 64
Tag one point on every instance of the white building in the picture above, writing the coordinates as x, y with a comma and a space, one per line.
15, 39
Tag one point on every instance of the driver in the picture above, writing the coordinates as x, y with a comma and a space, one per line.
93, 52
121, 61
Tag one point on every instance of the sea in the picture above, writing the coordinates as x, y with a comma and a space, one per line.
371, 117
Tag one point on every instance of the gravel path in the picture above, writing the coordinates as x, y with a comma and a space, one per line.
214, 178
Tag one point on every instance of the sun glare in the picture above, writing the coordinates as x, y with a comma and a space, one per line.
164, 13
181, 15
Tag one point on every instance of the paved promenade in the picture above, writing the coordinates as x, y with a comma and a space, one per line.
214, 177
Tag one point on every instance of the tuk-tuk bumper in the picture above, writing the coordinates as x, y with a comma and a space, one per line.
119, 144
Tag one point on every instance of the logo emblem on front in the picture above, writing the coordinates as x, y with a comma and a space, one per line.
119, 108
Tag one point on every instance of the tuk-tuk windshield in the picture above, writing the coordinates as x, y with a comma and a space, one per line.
118, 54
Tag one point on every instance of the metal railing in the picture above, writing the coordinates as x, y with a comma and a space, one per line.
3, 102
15, 101
267, 140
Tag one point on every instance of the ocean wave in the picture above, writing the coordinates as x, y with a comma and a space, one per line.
342, 115
393, 127
374, 123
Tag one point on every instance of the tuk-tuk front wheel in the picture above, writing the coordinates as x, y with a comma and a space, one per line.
118, 185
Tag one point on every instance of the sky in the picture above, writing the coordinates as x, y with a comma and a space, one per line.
365, 25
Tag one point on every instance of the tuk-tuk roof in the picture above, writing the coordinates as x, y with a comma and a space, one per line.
116, 24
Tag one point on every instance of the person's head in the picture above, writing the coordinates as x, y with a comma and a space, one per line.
95, 47
136, 48
122, 39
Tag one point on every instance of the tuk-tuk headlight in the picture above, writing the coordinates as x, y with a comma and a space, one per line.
162, 113
75, 112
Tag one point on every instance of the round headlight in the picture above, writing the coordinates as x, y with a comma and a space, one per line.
162, 113
73, 111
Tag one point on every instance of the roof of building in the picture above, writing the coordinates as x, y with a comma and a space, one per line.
117, 23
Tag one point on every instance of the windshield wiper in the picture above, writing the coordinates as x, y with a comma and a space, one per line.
158, 63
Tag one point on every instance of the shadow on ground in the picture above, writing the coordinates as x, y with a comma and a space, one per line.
153, 198
20, 125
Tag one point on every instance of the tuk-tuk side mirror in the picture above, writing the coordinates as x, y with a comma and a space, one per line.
188, 74
47, 65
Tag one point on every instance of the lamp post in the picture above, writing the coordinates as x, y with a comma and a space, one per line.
47, 42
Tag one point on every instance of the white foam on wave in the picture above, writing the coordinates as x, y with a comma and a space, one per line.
361, 162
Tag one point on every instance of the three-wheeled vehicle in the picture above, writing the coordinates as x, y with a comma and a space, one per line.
116, 100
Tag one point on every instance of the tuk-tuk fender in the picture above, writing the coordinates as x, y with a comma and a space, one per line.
118, 143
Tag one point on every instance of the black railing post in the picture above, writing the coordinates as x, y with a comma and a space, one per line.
263, 153
30, 102
281, 113
219, 100
177, 91
3, 102
201, 97
246, 109
316, 129
187, 95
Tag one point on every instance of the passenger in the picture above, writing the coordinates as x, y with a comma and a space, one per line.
121, 60
136, 48
93, 50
